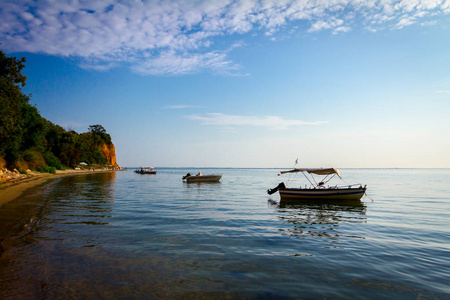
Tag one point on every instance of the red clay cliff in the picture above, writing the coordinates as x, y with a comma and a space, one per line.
109, 151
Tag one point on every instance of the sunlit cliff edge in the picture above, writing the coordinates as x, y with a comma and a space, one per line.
109, 152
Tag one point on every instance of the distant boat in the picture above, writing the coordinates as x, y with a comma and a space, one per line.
202, 178
318, 191
143, 170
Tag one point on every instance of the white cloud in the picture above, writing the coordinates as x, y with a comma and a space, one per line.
326, 24
405, 21
177, 36
272, 122
341, 29
173, 63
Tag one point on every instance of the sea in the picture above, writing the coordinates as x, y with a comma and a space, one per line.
124, 235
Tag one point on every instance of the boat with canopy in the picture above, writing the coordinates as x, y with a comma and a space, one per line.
318, 190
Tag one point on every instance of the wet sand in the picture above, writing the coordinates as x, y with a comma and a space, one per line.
14, 188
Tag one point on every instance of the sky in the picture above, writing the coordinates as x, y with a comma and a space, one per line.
224, 83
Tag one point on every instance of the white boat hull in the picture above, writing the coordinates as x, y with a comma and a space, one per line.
204, 178
322, 194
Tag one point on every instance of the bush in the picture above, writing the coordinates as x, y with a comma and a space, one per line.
23, 172
53, 161
31, 156
31, 159
47, 169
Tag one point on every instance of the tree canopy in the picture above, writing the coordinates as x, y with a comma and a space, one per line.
27, 140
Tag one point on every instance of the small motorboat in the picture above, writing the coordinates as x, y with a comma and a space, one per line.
143, 170
202, 178
317, 190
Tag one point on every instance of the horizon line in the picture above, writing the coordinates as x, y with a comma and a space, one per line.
366, 168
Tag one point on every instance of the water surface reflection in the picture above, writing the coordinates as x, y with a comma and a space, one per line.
323, 220
64, 218
141, 237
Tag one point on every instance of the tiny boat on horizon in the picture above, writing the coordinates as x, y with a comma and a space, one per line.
318, 190
202, 178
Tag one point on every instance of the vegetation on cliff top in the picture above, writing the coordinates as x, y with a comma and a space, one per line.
29, 141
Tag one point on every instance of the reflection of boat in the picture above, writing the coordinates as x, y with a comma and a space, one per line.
318, 191
145, 171
202, 178
321, 219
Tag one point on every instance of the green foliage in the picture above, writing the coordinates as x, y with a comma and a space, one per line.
30, 158
89, 146
47, 169
13, 107
68, 152
97, 129
53, 161
30, 155
34, 129
12, 111
100, 132
27, 137
11, 69
24, 172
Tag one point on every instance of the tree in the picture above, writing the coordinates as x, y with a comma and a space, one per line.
34, 129
29, 140
99, 131
11, 69
69, 153
12, 106
89, 146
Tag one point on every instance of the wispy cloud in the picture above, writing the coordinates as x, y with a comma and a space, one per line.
272, 122
174, 63
182, 106
446, 92
177, 36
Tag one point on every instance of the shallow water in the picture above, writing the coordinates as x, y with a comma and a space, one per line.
129, 236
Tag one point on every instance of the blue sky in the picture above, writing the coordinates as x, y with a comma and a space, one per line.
337, 83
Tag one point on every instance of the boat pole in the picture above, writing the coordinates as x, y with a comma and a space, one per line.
308, 179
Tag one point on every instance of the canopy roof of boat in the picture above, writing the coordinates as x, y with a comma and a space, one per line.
326, 171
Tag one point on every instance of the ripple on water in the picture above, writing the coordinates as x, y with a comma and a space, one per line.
127, 235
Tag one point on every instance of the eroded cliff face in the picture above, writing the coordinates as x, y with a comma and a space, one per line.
109, 151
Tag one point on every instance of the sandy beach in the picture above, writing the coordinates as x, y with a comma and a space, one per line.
17, 184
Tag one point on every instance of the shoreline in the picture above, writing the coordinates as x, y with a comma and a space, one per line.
14, 188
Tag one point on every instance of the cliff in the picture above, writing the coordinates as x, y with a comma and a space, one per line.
109, 151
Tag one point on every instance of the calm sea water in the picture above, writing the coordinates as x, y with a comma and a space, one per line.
129, 236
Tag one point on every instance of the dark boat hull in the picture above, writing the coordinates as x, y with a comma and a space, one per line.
203, 178
145, 172
322, 194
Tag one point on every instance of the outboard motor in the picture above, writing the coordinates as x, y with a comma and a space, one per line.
275, 189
